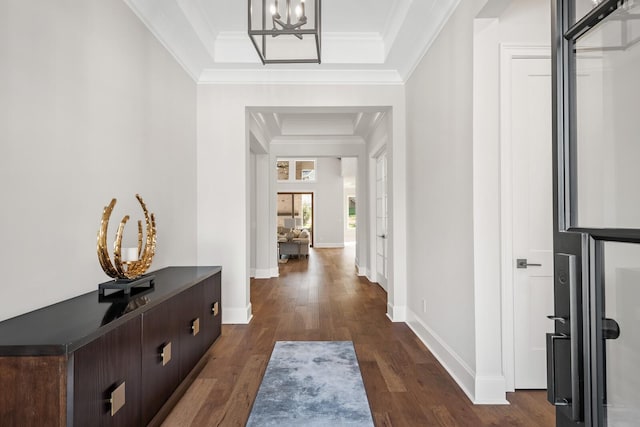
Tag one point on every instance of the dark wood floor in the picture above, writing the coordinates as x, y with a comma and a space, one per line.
322, 299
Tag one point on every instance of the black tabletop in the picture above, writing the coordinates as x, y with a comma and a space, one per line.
63, 327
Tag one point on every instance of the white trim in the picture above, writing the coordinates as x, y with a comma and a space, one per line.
393, 25
273, 76
234, 47
236, 315
262, 273
328, 245
489, 390
396, 313
362, 271
275, 272
194, 72
461, 373
412, 63
507, 54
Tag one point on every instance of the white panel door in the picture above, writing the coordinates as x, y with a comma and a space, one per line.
532, 218
381, 220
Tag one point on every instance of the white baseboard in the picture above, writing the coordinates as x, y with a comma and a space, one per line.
328, 245
491, 390
275, 272
236, 315
397, 313
262, 273
362, 271
461, 373
252, 272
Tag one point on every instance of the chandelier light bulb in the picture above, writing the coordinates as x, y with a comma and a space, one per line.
272, 9
298, 11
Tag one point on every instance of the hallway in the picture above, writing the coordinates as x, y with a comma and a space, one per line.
322, 299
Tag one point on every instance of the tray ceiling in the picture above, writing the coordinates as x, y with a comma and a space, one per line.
363, 41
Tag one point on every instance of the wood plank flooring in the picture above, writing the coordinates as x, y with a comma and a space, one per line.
322, 299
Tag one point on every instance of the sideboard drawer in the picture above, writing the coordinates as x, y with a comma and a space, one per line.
160, 357
107, 378
190, 327
212, 310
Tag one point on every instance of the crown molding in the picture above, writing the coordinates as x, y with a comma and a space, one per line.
392, 27
176, 34
439, 14
196, 16
299, 76
326, 139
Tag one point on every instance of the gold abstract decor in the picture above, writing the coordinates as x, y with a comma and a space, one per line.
130, 264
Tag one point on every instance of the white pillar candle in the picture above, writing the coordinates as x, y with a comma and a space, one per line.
129, 254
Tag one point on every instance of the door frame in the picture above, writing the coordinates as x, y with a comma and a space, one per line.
313, 209
509, 53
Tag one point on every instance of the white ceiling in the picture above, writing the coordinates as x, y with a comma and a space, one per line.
363, 41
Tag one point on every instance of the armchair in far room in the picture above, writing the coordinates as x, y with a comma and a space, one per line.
294, 242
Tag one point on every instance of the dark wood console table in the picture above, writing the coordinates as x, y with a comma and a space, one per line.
108, 361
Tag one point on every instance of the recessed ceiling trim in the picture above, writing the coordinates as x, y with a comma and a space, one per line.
299, 76
439, 14
217, 50
167, 22
392, 27
234, 47
198, 19
318, 139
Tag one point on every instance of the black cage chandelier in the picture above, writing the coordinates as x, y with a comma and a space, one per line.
286, 31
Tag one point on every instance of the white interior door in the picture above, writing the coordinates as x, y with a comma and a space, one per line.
532, 218
381, 220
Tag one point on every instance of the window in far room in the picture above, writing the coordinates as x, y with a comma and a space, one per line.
303, 170
351, 212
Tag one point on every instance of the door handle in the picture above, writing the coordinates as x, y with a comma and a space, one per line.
566, 270
610, 329
522, 263
562, 320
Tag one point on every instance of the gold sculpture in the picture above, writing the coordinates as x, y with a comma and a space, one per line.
127, 270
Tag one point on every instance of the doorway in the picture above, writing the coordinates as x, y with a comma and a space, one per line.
532, 218
527, 241
298, 206
381, 220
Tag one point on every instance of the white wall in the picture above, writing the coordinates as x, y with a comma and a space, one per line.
222, 173
328, 221
453, 178
440, 205
253, 213
521, 23
91, 107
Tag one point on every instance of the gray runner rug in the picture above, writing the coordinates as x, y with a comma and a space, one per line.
312, 383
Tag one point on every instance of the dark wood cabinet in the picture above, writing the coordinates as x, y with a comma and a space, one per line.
116, 361
212, 310
191, 328
99, 368
160, 363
